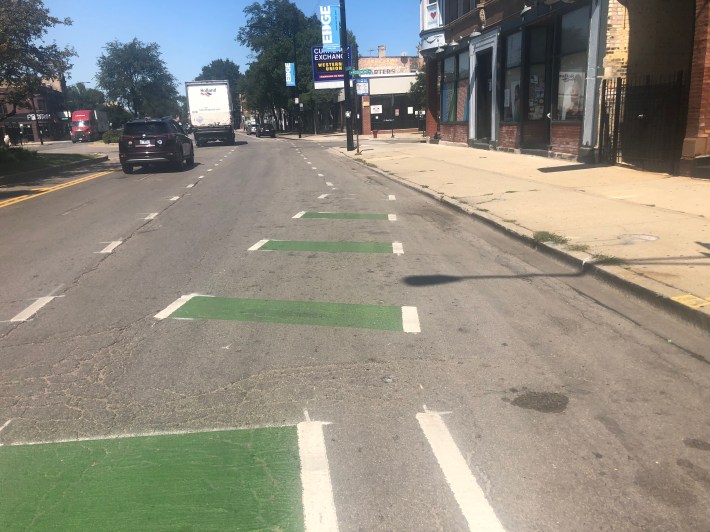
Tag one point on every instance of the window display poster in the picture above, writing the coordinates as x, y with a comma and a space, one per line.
570, 100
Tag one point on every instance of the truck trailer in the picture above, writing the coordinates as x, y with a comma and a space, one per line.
211, 113
88, 125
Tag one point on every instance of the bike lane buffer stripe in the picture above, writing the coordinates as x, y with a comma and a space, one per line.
318, 503
381, 317
243, 479
469, 495
328, 247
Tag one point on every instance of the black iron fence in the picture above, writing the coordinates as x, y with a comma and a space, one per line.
642, 122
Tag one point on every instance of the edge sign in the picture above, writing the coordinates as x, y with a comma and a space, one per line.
330, 27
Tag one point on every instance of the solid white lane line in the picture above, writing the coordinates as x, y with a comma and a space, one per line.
151, 216
300, 214
258, 245
318, 503
391, 197
410, 320
174, 198
323, 196
392, 217
397, 248
172, 307
111, 246
468, 494
33, 308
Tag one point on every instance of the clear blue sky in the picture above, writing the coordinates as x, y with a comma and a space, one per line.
191, 33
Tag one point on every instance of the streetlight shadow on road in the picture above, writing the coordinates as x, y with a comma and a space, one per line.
437, 279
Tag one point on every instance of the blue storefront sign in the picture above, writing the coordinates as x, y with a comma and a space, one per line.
290, 74
328, 66
330, 27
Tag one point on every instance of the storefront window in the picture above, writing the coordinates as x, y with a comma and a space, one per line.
454, 90
573, 64
536, 82
462, 88
512, 96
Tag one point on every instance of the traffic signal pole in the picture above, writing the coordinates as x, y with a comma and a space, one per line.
346, 79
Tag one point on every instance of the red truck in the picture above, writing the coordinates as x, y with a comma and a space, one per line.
88, 125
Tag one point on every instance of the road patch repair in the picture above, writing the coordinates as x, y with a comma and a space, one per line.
328, 247
274, 478
382, 317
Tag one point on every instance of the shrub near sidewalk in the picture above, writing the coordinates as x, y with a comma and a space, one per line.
15, 160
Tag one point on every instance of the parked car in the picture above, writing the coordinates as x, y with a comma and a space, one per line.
252, 129
266, 130
148, 141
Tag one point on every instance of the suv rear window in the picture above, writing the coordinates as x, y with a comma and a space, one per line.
147, 128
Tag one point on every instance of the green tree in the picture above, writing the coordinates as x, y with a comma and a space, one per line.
134, 75
418, 90
24, 59
80, 97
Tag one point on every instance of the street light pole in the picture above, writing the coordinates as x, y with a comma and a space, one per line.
346, 79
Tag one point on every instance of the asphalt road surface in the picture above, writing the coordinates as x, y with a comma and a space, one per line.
280, 338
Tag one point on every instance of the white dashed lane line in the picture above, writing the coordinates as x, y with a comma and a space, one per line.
151, 216
33, 308
110, 247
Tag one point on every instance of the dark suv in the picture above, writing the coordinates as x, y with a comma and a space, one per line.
264, 130
154, 141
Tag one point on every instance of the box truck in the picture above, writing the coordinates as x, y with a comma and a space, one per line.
211, 112
88, 125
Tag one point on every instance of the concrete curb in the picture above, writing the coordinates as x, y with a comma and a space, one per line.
658, 300
42, 171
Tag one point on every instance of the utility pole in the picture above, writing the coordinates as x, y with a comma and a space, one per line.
346, 79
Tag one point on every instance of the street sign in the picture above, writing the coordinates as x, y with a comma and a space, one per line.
361, 72
362, 87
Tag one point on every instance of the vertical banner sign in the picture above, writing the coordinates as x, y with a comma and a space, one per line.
290, 74
330, 27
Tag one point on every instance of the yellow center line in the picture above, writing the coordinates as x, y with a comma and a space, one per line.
44, 191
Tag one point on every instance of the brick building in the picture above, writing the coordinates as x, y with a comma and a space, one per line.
388, 107
44, 113
544, 77
514, 75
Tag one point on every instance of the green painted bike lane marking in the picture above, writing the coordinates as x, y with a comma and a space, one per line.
383, 317
346, 216
326, 247
238, 479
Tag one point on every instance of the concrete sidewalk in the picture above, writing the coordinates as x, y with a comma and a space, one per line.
645, 231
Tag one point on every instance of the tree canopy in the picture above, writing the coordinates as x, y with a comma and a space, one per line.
80, 97
25, 59
134, 75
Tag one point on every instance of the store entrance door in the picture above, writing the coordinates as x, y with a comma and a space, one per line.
536, 123
484, 94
